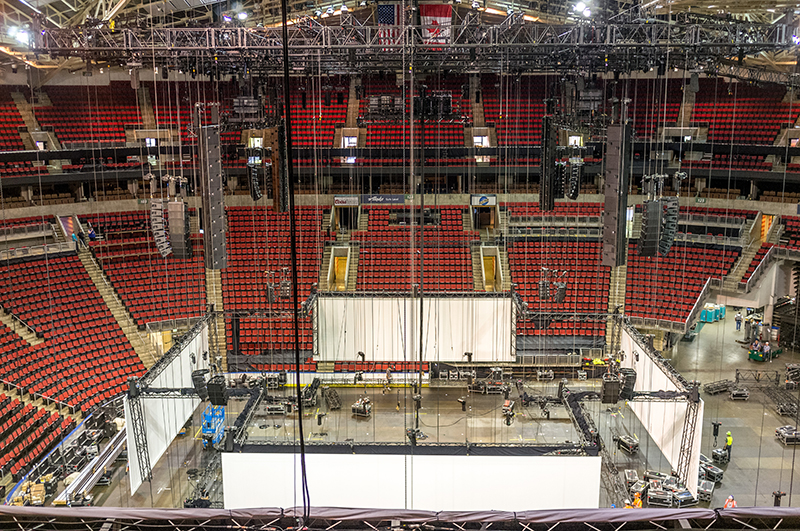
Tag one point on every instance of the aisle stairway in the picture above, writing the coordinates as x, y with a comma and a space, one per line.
732, 280
324, 265
505, 268
477, 273
25, 111
352, 272
22, 331
137, 340
216, 336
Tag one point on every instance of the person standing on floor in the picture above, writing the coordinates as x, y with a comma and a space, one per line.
738, 319
728, 444
730, 503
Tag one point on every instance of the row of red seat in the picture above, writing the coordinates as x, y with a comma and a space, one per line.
667, 287
58, 299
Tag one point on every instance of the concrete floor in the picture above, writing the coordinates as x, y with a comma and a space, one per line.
760, 463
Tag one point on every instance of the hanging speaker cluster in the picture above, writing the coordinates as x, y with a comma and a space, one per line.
255, 186
669, 224
158, 226
561, 291
544, 289
573, 187
651, 225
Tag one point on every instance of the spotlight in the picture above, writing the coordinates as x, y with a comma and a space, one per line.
587, 13
330, 10
363, 3
580, 6
317, 13
510, 11
475, 4
227, 18
242, 15
344, 8
795, 39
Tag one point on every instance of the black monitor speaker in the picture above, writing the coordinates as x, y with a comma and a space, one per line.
218, 391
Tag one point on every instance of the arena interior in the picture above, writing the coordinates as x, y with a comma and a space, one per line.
399, 265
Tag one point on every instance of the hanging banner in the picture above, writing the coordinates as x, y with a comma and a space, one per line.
437, 19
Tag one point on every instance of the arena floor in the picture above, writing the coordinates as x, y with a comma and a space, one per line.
760, 463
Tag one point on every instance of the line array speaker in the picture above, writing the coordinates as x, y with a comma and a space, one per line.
615, 190
158, 226
651, 227
573, 188
669, 224
255, 186
211, 181
180, 232
547, 191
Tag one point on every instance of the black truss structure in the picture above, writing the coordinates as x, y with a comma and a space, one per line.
619, 44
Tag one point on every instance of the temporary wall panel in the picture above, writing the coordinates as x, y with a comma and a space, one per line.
664, 421
387, 329
423, 482
164, 417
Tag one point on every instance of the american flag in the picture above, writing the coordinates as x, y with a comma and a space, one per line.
389, 15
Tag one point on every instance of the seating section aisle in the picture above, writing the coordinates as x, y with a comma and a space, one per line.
516, 106
667, 287
10, 121
654, 103
586, 279
737, 113
85, 358
151, 287
94, 113
258, 243
388, 262
760, 254
27, 433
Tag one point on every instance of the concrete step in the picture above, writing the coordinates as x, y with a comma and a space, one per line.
22, 331
140, 345
477, 270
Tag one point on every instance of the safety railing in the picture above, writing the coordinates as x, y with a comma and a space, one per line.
35, 396
37, 250
24, 230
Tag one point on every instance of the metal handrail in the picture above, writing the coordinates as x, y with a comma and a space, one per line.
37, 250
61, 404
696, 308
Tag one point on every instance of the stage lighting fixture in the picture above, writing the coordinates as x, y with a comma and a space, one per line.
587, 13
344, 8
330, 10
475, 4
318, 13
242, 15
227, 18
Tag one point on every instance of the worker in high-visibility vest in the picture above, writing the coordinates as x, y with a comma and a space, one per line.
728, 444
637, 501
730, 503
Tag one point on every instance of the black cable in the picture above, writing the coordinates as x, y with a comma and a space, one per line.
293, 256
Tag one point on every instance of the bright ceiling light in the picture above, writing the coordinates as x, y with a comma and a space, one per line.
226, 18
587, 12
580, 6
242, 15
21, 37
344, 8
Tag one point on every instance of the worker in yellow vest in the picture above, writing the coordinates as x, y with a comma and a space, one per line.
728, 444
637, 501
